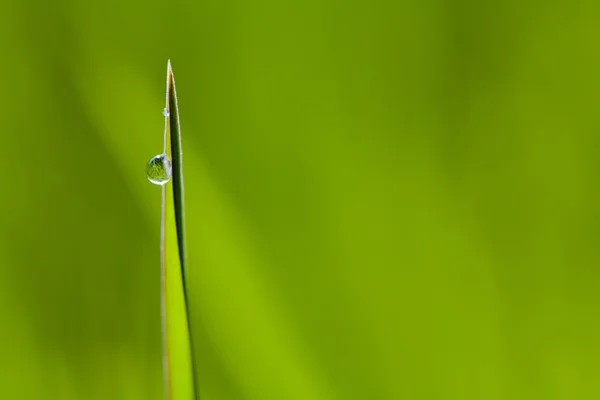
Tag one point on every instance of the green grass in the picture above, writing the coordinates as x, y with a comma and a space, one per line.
385, 199
178, 359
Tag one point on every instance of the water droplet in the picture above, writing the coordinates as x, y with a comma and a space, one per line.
165, 112
159, 169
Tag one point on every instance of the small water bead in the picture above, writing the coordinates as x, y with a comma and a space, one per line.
159, 169
165, 112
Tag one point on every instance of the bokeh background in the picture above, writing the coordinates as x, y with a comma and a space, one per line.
385, 199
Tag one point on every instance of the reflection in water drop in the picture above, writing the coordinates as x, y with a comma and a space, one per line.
165, 112
159, 169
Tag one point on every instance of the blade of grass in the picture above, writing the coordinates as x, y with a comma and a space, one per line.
178, 356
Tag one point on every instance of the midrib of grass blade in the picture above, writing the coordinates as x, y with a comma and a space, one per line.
178, 357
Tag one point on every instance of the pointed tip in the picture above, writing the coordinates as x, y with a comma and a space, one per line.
169, 65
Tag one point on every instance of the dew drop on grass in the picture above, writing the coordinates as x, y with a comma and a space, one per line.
165, 112
159, 169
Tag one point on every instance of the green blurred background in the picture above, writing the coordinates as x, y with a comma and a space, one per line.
385, 199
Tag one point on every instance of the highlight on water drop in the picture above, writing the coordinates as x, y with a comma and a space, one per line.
165, 112
159, 169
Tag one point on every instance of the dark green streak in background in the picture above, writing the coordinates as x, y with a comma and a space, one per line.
385, 199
